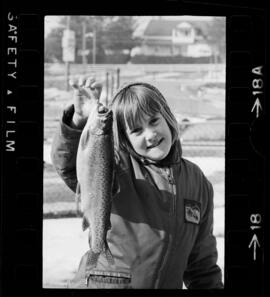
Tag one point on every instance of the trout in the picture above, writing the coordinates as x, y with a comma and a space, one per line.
94, 165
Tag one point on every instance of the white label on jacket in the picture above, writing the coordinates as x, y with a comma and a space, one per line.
192, 211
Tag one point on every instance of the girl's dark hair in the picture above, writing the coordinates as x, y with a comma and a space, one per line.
129, 106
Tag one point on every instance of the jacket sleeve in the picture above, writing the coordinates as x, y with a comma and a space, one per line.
202, 271
64, 149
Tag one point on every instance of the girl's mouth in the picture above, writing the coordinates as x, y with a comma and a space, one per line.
155, 144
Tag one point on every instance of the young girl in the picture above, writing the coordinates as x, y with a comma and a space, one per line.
162, 209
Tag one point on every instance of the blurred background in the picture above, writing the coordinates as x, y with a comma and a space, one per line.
183, 56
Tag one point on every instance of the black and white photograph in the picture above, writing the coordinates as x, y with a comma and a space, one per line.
134, 152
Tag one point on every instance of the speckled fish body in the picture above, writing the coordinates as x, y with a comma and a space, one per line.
95, 173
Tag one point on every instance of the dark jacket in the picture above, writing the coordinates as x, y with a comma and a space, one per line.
162, 218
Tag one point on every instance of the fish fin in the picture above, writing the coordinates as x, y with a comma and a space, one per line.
85, 138
92, 259
108, 254
85, 223
78, 192
89, 238
115, 185
78, 188
109, 225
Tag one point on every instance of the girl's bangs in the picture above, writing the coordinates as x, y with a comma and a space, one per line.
136, 107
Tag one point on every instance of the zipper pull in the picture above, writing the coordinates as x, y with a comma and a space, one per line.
170, 177
171, 180
86, 280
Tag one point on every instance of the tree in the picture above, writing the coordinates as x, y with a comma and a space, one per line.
117, 35
91, 23
216, 32
112, 33
53, 48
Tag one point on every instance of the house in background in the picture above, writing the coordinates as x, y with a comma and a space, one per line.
173, 36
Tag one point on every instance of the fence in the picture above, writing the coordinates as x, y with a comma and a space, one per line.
59, 69
55, 73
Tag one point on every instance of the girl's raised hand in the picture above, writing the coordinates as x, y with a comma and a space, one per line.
87, 92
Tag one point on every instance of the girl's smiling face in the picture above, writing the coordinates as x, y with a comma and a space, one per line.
151, 137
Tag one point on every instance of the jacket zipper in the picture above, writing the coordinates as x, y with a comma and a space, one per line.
171, 180
169, 172
87, 279
86, 282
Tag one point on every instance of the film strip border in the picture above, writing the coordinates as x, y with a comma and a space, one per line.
21, 153
245, 176
22, 162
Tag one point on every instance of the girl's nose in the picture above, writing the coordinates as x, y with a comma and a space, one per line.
150, 135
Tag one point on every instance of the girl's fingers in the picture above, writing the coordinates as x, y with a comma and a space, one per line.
78, 90
82, 81
81, 85
89, 82
96, 89
73, 83
102, 109
96, 85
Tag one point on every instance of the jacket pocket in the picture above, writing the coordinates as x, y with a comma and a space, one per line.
99, 279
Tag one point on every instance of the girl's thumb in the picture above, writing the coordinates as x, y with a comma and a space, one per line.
102, 108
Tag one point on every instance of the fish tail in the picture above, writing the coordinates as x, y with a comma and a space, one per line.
85, 224
78, 198
92, 259
108, 254
78, 192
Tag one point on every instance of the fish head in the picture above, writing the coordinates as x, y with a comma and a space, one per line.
100, 122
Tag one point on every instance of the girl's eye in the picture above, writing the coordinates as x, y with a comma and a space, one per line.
136, 131
154, 121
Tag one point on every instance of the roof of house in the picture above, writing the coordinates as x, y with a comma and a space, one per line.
164, 27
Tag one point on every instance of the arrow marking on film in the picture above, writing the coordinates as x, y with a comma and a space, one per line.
258, 106
255, 242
